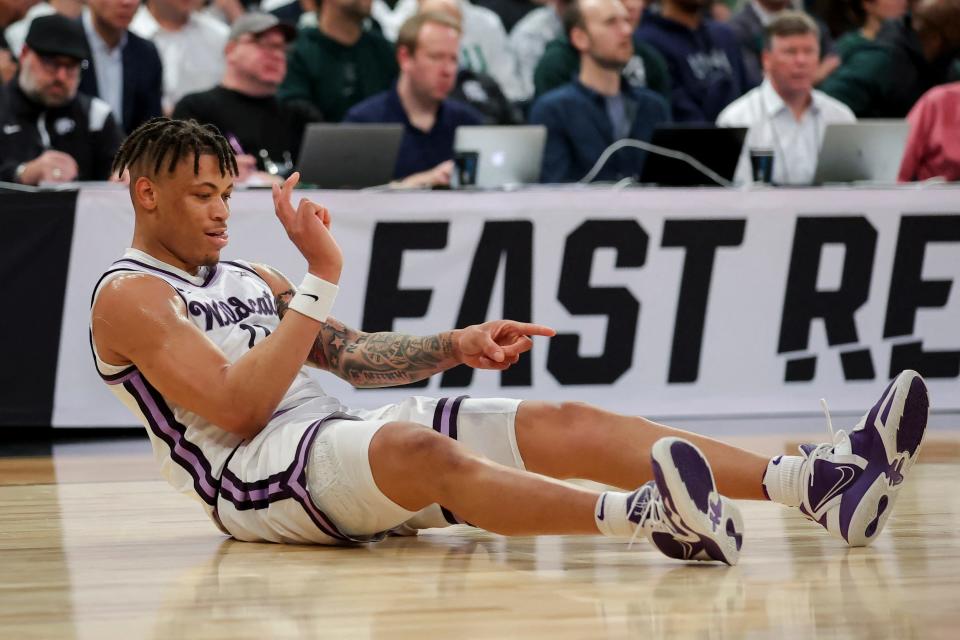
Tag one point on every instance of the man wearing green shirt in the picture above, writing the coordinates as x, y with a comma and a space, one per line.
338, 64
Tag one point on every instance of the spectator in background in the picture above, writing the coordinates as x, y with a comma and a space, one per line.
293, 12
476, 88
427, 51
8, 64
561, 62
530, 37
510, 11
933, 146
17, 32
50, 132
484, 47
11, 11
916, 53
190, 45
338, 64
703, 57
586, 116
124, 69
264, 132
749, 24
785, 113
870, 16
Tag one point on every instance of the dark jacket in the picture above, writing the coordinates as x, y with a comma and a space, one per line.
884, 79
561, 63
84, 128
142, 81
579, 130
705, 65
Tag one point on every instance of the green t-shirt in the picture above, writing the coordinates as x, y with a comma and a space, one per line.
863, 81
334, 77
560, 63
849, 43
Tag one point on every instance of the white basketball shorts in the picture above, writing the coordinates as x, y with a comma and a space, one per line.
340, 479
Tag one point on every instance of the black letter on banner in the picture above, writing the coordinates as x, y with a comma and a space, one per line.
909, 292
802, 302
701, 239
512, 241
576, 295
385, 300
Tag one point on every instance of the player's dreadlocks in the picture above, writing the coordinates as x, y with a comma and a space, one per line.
161, 138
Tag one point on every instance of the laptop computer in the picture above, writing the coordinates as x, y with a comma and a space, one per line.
718, 148
869, 150
349, 155
505, 154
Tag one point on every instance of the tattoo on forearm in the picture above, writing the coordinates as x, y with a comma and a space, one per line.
382, 359
282, 301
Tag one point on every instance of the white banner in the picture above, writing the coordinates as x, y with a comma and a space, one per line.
678, 304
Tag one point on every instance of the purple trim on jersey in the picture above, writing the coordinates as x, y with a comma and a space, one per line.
93, 296
246, 268
120, 377
186, 454
159, 270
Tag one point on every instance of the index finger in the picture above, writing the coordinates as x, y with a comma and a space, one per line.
530, 329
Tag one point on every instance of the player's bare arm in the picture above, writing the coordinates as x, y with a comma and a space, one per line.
386, 358
141, 320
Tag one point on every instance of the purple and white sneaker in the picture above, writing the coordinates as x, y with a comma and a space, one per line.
680, 511
849, 485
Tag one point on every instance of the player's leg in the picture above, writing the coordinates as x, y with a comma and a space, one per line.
576, 440
681, 513
848, 486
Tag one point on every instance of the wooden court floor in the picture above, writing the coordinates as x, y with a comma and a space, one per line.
94, 545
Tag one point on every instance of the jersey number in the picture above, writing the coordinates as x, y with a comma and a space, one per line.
252, 329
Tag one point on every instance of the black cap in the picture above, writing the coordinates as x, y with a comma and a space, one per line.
58, 35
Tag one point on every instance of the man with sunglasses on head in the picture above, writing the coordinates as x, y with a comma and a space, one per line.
48, 131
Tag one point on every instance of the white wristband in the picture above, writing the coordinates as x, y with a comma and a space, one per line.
315, 297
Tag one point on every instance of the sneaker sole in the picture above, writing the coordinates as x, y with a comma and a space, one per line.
900, 420
686, 485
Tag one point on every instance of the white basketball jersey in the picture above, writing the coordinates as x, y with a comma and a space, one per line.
253, 490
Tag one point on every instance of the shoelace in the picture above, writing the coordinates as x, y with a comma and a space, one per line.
825, 449
652, 511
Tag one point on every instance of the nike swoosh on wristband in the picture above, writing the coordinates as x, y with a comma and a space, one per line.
847, 474
310, 295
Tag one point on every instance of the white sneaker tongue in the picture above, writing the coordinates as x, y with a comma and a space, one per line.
842, 445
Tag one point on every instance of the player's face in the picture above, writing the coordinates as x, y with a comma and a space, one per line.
791, 63
192, 212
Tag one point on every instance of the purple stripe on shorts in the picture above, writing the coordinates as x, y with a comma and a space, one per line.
298, 477
454, 416
181, 450
438, 414
445, 417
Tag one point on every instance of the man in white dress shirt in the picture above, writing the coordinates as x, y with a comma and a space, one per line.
785, 113
190, 43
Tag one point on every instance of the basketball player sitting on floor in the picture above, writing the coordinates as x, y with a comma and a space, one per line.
211, 356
